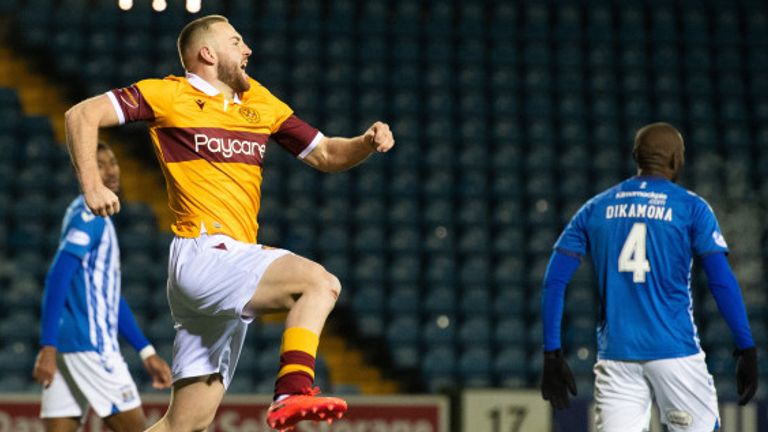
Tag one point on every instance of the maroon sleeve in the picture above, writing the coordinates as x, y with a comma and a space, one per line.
133, 104
295, 135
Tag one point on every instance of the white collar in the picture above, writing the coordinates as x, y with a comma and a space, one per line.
204, 86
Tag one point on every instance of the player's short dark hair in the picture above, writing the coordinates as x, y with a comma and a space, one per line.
192, 29
656, 144
102, 146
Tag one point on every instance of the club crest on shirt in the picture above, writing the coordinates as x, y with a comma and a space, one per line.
719, 239
249, 114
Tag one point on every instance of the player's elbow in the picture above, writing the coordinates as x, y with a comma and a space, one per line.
75, 116
88, 113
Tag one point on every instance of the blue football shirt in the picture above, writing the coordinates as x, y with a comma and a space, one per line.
89, 320
642, 235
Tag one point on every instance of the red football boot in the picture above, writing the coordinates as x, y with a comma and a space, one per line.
284, 415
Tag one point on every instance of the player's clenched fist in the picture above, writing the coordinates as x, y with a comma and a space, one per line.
102, 201
379, 137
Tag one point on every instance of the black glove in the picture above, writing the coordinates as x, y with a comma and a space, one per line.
557, 380
746, 373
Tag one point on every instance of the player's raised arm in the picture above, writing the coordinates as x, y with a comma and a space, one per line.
82, 123
334, 154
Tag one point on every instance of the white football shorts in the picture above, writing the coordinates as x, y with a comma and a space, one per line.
88, 378
211, 279
682, 388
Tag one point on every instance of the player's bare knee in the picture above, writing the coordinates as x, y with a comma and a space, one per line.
325, 283
333, 285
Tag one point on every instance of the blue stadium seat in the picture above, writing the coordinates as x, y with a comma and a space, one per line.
438, 184
404, 211
440, 269
404, 300
475, 270
580, 331
475, 301
440, 301
510, 270
17, 358
438, 366
475, 366
508, 211
510, 332
438, 333
509, 301
406, 183
405, 268
475, 332
370, 239
369, 268
333, 239
335, 210
474, 239
403, 337
510, 368
368, 299
581, 302
19, 326
371, 183
720, 360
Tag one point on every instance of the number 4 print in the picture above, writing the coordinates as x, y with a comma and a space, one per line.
632, 257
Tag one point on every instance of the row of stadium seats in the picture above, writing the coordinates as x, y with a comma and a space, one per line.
564, 20
507, 117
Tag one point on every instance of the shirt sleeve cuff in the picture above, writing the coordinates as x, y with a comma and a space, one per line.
116, 106
311, 146
147, 352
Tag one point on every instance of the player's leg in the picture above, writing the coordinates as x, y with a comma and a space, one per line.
309, 292
298, 285
127, 421
622, 397
685, 393
62, 405
61, 424
193, 405
217, 278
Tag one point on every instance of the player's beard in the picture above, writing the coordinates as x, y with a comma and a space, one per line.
231, 75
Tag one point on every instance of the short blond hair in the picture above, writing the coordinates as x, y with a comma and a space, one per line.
193, 30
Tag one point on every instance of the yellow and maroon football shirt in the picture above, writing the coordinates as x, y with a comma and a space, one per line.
211, 150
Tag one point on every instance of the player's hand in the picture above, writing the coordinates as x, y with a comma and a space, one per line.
557, 380
158, 369
379, 137
746, 374
45, 366
102, 201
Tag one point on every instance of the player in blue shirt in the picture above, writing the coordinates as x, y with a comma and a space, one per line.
79, 363
642, 235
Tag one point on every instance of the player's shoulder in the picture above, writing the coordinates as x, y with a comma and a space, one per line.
606, 194
170, 84
260, 92
695, 200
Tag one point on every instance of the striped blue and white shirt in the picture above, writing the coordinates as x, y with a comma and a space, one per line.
89, 321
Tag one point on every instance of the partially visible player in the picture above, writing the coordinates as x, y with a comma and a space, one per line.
79, 363
210, 129
642, 235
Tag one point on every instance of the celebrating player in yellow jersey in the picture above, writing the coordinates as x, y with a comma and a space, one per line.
210, 130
